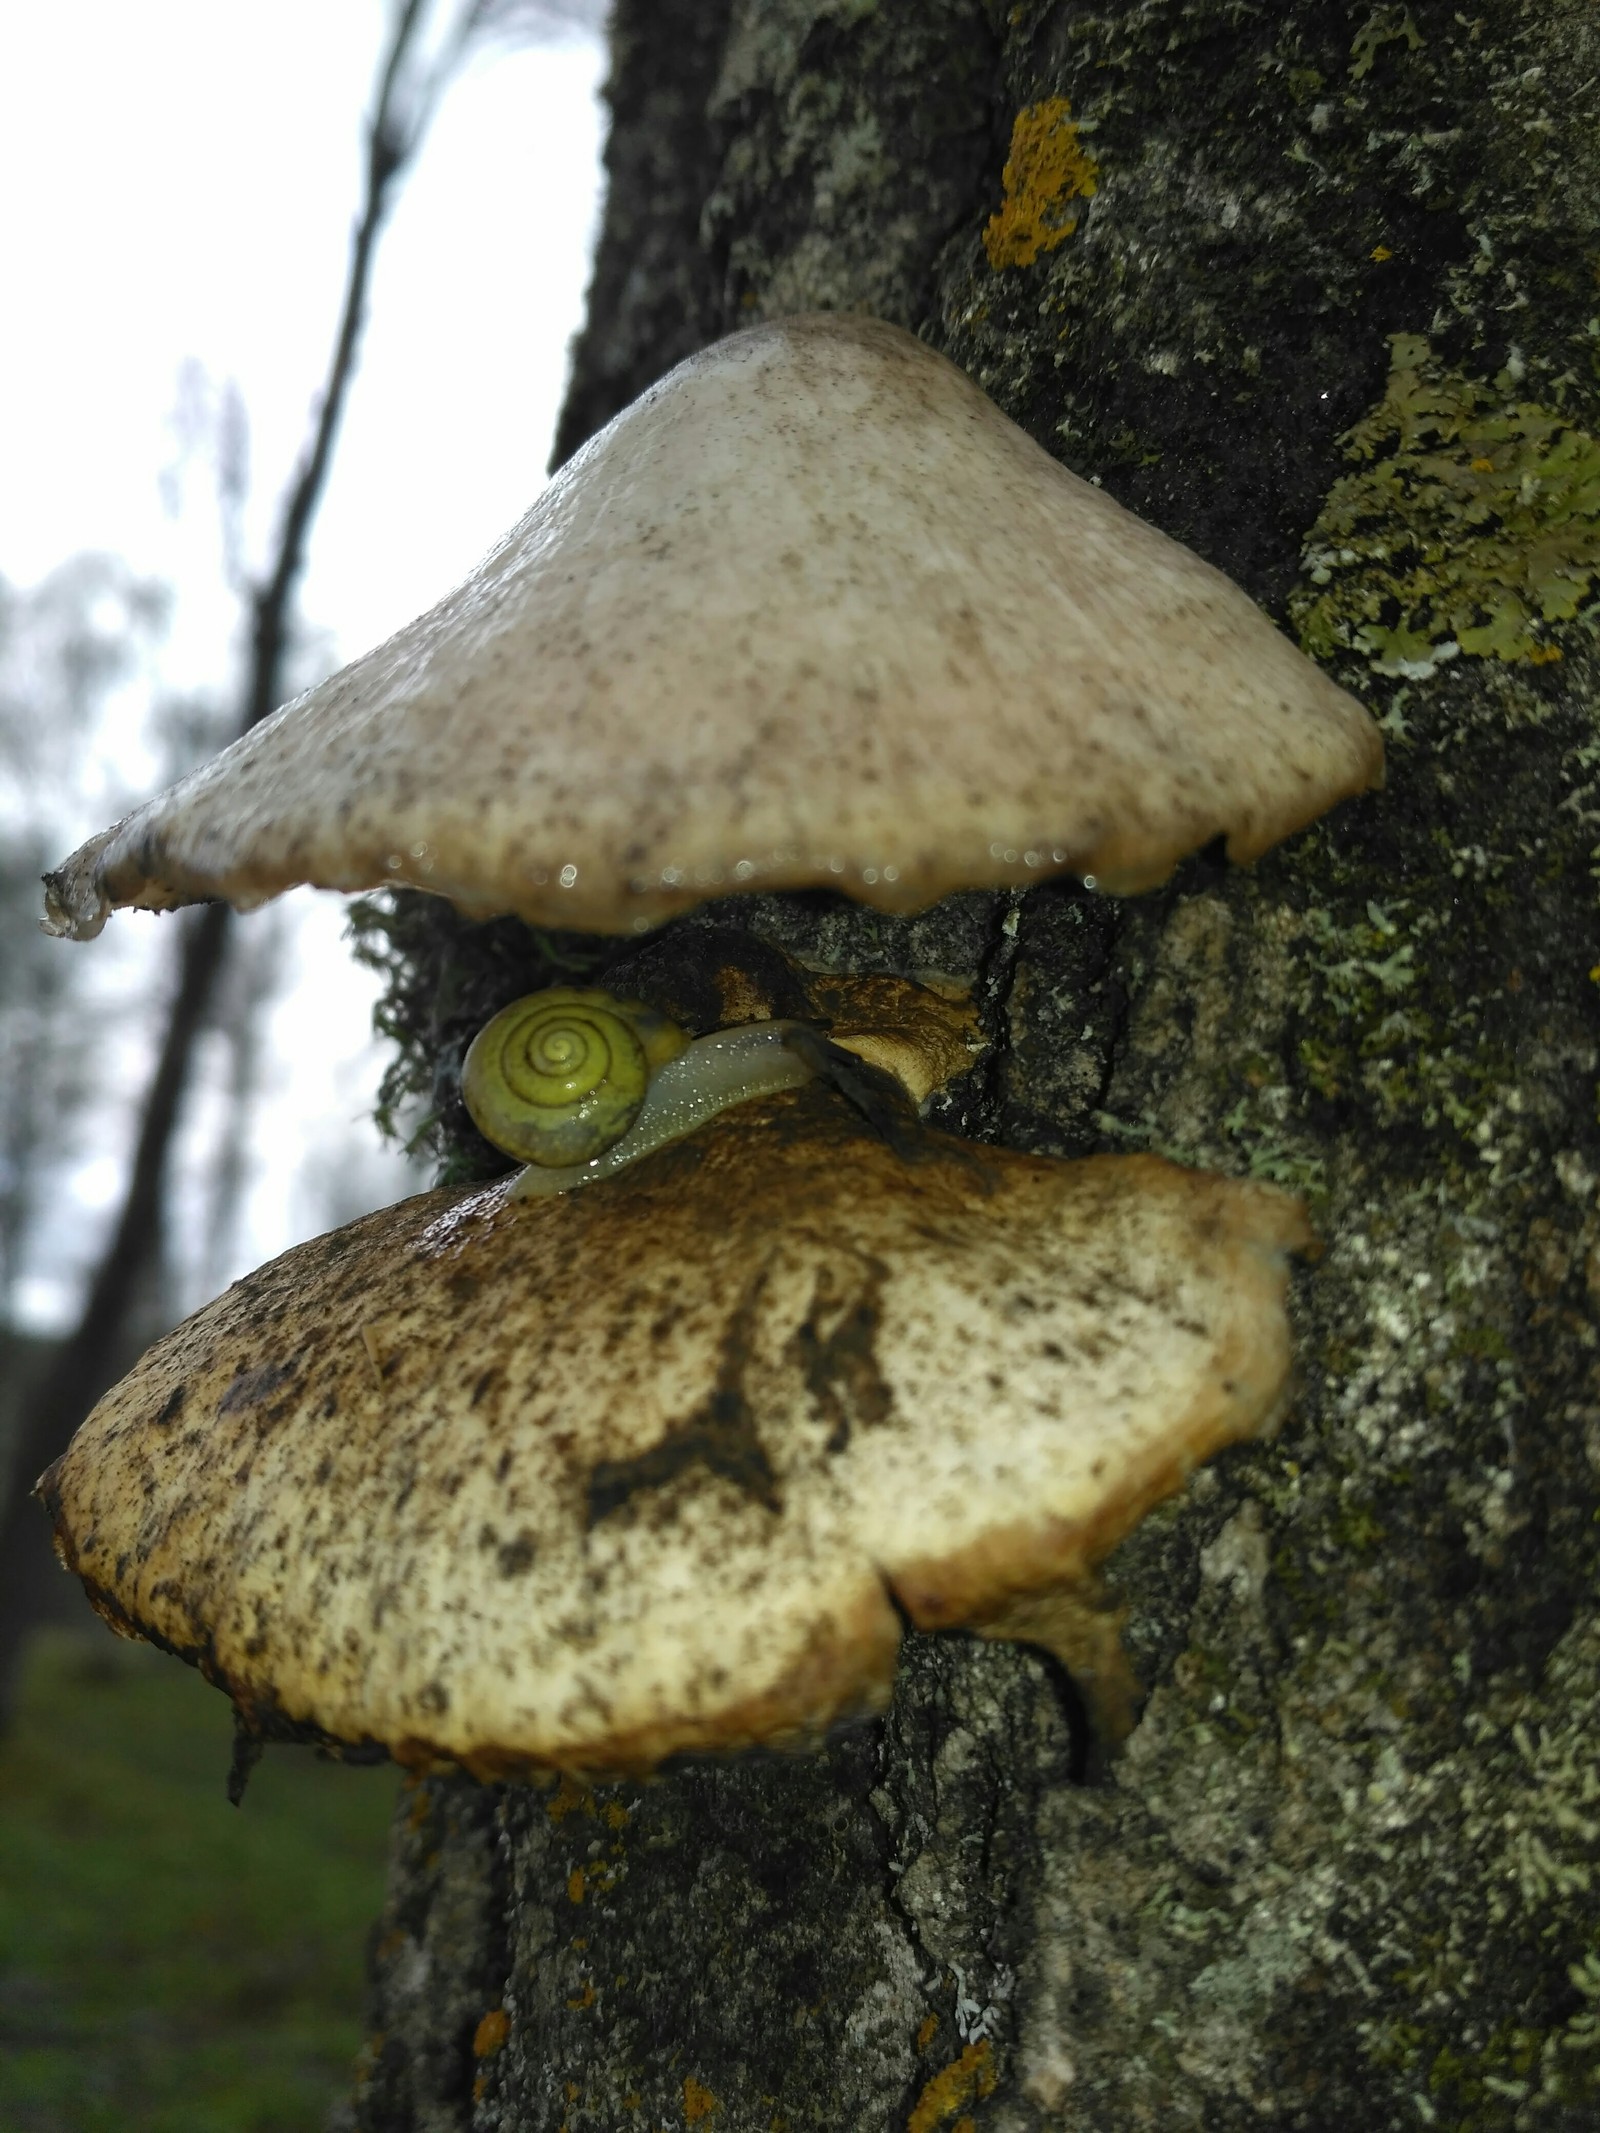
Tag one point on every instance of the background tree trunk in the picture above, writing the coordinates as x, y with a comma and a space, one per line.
1345, 1872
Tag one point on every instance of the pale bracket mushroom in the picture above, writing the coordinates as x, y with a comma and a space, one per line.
532, 1480
811, 612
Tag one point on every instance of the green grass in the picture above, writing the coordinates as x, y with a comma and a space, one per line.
168, 1963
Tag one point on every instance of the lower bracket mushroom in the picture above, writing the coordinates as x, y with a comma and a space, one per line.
587, 1482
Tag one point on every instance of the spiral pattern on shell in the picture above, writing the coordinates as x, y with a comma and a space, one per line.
558, 1077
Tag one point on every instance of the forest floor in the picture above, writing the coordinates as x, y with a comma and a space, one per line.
168, 1963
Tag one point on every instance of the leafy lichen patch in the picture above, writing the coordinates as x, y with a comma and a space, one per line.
1518, 1810
1385, 25
1375, 1012
1470, 524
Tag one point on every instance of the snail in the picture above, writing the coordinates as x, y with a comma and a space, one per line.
577, 1084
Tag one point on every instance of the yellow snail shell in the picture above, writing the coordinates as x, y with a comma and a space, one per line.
559, 1076
577, 1084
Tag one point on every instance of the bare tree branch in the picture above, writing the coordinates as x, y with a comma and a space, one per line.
390, 146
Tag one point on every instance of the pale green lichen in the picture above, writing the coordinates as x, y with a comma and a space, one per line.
1269, 1150
1472, 525
1524, 1794
1376, 1014
1386, 25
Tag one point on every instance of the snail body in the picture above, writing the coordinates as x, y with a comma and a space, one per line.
577, 1084
729, 1067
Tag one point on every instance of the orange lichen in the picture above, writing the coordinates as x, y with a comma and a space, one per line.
575, 1882
925, 2031
568, 1795
583, 1999
964, 2080
698, 2101
490, 2033
1046, 173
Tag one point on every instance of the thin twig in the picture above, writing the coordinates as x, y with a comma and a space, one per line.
389, 148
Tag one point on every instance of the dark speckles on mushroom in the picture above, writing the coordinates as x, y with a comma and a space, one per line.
1017, 677
656, 1532
250, 1387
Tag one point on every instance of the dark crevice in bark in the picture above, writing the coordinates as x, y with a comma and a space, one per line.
1068, 1032
992, 999
438, 1963
1086, 1759
651, 300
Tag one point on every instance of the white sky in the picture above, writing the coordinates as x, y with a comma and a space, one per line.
180, 179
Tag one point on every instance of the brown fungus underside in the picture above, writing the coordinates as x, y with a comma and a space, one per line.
653, 1467
811, 612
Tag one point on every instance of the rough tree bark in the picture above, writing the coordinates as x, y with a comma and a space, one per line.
1347, 1872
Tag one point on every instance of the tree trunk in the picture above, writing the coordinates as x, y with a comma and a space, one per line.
1347, 1871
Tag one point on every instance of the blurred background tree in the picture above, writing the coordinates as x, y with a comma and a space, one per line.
68, 647
132, 1080
64, 646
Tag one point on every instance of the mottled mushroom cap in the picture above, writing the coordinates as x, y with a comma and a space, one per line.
811, 611
584, 1483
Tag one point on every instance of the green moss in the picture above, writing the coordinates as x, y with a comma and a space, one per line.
1472, 525
1484, 1344
1355, 1528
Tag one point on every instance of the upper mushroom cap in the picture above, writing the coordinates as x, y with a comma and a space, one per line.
811, 611
587, 1482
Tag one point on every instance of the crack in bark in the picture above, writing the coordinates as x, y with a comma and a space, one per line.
991, 996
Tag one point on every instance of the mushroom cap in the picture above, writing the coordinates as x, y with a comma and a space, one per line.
588, 1482
811, 611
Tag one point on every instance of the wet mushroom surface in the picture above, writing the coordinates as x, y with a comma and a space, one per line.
812, 612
